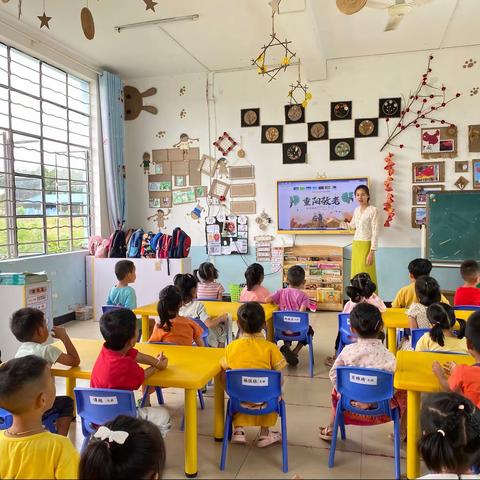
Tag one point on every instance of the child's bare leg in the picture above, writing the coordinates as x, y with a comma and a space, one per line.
63, 425
297, 349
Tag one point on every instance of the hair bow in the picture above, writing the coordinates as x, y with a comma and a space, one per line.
104, 433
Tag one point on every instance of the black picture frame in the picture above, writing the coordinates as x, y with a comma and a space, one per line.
296, 107
358, 127
244, 123
265, 129
390, 107
334, 156
288, 150
341, 110
312, 137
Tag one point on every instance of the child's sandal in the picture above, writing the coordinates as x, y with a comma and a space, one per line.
271, 438
238, 436
325, 433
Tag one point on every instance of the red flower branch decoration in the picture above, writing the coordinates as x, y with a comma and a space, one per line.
388, 185
420, 108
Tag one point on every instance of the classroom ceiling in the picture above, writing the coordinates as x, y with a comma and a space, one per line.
229, 33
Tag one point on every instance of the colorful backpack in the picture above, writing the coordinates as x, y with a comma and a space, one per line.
163, 246
154, 241
146, 250
93, 243
102, 250
180, 246
135, 244
118, 245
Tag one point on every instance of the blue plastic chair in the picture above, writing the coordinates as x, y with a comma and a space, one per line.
256, 386
473, 308
204, 328
96, 406
298, 323
367, 385
416, 334
6, 419
346, 335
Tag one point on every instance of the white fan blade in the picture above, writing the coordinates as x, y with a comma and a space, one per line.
393, 22
377, 5
421, 3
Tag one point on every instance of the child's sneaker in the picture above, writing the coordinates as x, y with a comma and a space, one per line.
290, 357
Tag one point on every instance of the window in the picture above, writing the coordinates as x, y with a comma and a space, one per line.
45, 151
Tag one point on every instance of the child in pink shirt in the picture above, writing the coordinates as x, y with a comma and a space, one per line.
254, 292
292, 298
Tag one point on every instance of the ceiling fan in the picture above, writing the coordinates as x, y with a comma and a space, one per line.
396, 10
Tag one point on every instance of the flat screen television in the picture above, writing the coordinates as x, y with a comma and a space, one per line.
303, 206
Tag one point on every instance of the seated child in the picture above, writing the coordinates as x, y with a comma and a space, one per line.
407, 295
450, 441
117, 365
468, 293
208, 287
464, 379
122, 295
367, 352
192, 308
30, 327
361, 289
441, 338
252, 350
254, 292
139, 451
292, 298
174, 328
27, 391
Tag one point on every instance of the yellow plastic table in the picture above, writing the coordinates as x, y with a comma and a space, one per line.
214, 309
394, 318
414, 374
189, 368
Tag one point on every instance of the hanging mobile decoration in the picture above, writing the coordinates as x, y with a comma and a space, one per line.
43, 18
225, 143
388, 185
88, 25
150, 5
19, 9
275, 44
420, 108
298, 93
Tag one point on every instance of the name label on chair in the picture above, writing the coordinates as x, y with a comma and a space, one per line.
255, 381
363, 379
103, 400
288, 319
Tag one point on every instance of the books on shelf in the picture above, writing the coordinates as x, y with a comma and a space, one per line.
25, 278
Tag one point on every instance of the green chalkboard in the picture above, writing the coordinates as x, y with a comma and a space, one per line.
453, 226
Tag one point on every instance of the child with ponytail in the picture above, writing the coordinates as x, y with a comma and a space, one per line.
124, 448
450, 442
172, 327
441, 338
254, 292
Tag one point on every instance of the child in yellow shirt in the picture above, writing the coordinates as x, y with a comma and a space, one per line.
27, 390
252, 350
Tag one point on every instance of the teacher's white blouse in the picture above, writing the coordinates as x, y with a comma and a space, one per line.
366, 225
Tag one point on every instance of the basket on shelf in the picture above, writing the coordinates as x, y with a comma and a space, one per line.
235, 291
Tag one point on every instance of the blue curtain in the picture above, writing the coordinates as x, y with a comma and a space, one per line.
111, 108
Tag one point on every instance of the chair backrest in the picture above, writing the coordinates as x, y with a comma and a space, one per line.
473, 308
109, 308
204, 327
6, 419
417, 334
296, 322
255, 386
346, 335
367, 385
97, 406
208, 300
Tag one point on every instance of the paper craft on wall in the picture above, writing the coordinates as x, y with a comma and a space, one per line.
272, 133
263, 248
263, 220
317, 131
159, 217
225, 143
157, 183
476, 174
461, 183
428, 172
194, 174
366, 127
250, 117
200, 191
160, 155
295, 152
134, 102
196, 213
226, 236
208, 165
419, 193
242, 190
389, 107
222, 170
183, 195
146, 160
474, 138
245, 207
219, 189
277, 259
160, 199
340, 110
439, 142
461, 167
185, 143
243, 172
294, 114
342, 149
180, 180
388, 186
419, 216
180, 168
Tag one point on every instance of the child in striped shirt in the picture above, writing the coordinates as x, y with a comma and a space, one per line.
208, 287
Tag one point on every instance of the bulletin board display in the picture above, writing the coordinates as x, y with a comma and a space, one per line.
316, 206
226, 235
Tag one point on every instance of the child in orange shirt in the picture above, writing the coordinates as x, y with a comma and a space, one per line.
172, 327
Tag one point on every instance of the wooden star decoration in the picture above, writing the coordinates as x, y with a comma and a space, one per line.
44, 21
275, 6
150, 5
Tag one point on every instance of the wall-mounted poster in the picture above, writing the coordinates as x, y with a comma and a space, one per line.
428, 172
439, 142
419, 193
476, 174
226, 235
419, 216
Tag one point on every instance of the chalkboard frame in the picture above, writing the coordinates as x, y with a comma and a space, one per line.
427, 227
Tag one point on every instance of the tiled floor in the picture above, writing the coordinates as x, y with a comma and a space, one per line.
367, 452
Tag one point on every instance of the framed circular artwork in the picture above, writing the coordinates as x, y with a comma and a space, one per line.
250, 117
389, 107
342, 149
272, 133
317, 130
341, 110
294, 114
366, 127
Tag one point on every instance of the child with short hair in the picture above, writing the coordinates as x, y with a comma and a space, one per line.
122, 294
123, 449
407, 295
208, 287
468, 293
367, 352
252, 350
441, 338
29, 326
254, 292
464, 379
450, 441
292, 298
173, 327
117, 365
27, 391
191, 308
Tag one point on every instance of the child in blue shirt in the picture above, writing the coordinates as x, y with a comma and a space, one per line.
122, 295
